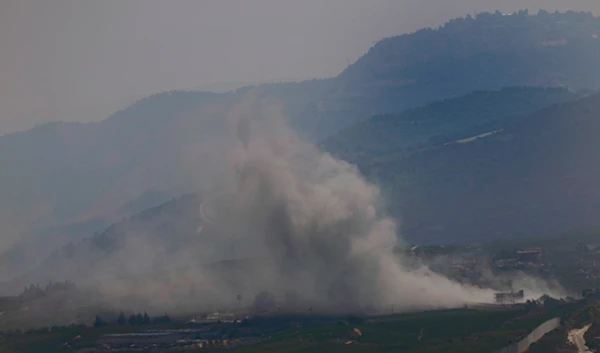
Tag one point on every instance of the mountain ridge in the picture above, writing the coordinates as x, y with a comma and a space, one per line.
486, 52
499, 186
539, 175
67, 173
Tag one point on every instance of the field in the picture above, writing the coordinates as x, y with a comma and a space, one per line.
458, 330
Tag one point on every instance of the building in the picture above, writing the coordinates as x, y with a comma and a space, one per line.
510, 298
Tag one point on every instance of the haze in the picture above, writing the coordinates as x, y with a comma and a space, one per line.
81, 61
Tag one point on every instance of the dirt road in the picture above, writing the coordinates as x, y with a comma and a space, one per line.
576, 338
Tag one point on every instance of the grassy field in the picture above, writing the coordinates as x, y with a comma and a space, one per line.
458, 330
53, 341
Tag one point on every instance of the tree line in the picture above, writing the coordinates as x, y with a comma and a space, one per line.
138, 319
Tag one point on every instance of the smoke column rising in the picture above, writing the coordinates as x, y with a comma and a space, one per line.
315, 230
316, 219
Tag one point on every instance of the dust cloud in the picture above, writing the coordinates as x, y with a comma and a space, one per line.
271, 213
318, 223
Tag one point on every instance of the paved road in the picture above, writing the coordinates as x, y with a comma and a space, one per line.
576, 337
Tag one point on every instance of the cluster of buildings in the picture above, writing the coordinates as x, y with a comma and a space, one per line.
182, 339
522, 258
159, 339
510, 297
215, 317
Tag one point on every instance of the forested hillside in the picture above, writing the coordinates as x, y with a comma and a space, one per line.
538, 175
395, 136
487, 52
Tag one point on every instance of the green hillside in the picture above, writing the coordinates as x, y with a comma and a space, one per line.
395, 136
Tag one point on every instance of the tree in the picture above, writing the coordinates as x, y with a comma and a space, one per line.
132, 320
121, 321
99, 322
549, 302
162, 319
146, 319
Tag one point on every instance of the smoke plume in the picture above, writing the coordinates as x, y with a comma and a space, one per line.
315, 219
298, 223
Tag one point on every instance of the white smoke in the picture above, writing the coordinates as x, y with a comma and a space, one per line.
317, 230
319, 223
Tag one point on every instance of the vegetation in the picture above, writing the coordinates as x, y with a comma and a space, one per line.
436, 331
134, 320
592, 335
395, 136
553, 342
485, 52
457, 330
34, 291
522, 180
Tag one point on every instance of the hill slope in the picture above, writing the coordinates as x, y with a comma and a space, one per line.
538, 175
67, 173
394, 136
95, 167
156, 240
488, 52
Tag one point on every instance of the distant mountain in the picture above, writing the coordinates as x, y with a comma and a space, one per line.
432, 182
114, 251
62, 174
538, 174
66, 173
165, 239
394, 136
32, 248
487, 52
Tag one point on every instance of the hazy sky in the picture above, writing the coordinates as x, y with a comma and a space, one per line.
82, 59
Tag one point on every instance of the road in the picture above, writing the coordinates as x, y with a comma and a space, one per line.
576, 338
